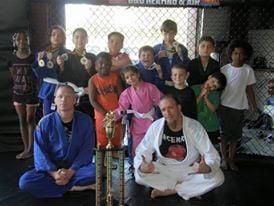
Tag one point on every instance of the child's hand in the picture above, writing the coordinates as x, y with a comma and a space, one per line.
162, 54
60, 61
201, 167
159, 71
204, 93
86, 90
178, 49
146, 167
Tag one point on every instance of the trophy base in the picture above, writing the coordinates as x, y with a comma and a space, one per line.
115, 203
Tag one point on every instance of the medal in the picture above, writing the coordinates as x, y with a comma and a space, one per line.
171, 50
40, 56
153, 66
83, 60
175, 44
65, 56
50, 64
41, 63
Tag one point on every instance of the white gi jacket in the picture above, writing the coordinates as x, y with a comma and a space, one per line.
178, 175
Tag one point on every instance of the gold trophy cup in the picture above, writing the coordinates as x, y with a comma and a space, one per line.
109, 128
109, 124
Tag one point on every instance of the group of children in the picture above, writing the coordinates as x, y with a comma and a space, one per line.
111, 83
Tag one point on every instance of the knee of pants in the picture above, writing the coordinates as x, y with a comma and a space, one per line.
24, 184
139, 180
220, 178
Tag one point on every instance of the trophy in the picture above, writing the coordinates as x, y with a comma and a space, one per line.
110, 130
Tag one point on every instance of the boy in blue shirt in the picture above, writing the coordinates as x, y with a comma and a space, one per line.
149, 70
170, 52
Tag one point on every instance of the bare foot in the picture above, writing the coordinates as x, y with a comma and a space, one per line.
24, 155
18, 156
82, 188
157, 193
233, 166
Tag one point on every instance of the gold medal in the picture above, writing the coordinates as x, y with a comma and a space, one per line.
175, 44
83, 60
153, 66
65, 56
41, 63
50, 64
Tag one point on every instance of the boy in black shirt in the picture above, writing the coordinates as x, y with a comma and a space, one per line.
181, 91
203, 66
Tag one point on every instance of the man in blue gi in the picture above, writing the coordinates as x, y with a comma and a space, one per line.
63, 144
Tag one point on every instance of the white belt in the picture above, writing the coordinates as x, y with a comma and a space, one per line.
148, 115
78, 90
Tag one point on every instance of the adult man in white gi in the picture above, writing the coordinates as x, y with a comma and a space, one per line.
186, 161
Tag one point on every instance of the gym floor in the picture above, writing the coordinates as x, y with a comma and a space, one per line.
252, 185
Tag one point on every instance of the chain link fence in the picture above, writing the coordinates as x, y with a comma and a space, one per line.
141, 26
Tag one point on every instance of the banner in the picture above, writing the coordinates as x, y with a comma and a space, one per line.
161, 3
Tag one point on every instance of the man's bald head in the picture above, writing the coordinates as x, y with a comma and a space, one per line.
65, 98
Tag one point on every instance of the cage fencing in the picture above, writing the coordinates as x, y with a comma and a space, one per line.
141, 26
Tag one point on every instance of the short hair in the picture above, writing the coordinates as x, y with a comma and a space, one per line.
60, 28
181, 67
208, 39
129, 68
237, 43
169, 25
80, 29
65, 86
103, 55
115, 33
170, 96
146, 49
221, 80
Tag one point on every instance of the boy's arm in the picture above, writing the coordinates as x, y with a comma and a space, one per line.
92, 98
209, 104
212, 104
183, 53
251, 97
